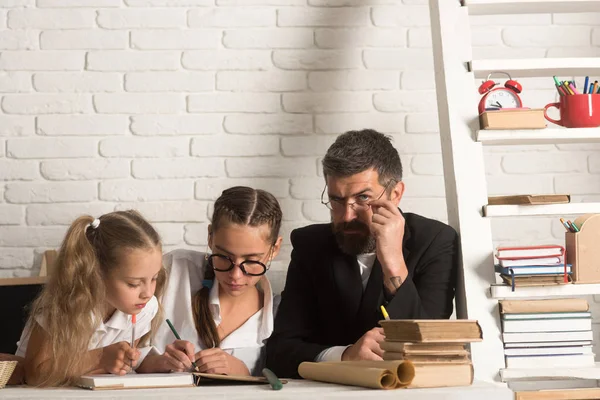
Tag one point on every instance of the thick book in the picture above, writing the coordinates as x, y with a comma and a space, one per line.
547, 325
429, 358
531, 337
529, 252
423, 348
541, 306
551, 361
442, 375
135, 381
516, 118
432, 330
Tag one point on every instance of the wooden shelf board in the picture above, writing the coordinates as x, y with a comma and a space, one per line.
546, 209
537, 67
489, 7
503, 292
491, 137
521, 374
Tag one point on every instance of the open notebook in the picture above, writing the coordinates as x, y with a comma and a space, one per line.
138, 381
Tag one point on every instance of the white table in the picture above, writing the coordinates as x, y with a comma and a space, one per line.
295, 389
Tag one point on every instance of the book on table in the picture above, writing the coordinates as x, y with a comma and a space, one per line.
432, 331
135, 381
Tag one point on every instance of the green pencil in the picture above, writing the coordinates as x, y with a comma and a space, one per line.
179, 338
272, 378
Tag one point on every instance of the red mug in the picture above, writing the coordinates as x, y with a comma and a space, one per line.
577, 111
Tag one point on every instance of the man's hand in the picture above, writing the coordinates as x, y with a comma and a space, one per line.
216, 361
366, 348
387, 225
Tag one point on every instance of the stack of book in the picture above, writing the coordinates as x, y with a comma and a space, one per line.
547, 333
437, 348
533, 265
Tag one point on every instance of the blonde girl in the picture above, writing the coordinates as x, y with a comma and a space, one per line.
107, 270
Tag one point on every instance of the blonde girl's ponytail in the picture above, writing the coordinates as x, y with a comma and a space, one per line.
66, 305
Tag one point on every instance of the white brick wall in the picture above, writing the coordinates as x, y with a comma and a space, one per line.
159, 105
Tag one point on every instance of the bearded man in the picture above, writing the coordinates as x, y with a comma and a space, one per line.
371, 254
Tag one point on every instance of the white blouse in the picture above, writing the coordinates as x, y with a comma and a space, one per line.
116, 329
185, 275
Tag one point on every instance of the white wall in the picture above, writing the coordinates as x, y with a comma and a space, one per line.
161, 104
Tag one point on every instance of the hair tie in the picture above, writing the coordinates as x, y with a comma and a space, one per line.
95, 223
208, 283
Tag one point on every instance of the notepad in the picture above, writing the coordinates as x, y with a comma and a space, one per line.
202, 377
135, 381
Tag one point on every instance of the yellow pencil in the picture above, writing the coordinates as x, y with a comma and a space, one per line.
385, 314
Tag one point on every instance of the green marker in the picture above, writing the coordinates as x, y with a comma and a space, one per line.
272, 378
556, 81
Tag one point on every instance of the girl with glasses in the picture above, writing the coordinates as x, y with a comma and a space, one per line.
221, 303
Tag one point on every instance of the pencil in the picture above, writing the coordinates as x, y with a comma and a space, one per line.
179, 338
132, 336
272, 378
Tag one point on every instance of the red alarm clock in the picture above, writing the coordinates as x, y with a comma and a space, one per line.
500, 97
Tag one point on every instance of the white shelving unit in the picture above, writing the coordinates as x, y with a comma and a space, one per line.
489, 7
536, 67
546, 209
504, 292
538, 136
457, 77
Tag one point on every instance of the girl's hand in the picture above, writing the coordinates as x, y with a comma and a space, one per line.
181, 355
118, 358
159, 363
216, 361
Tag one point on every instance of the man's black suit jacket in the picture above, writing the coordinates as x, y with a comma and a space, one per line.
323, 303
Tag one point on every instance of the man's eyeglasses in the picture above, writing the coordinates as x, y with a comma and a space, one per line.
361, 202
222, 263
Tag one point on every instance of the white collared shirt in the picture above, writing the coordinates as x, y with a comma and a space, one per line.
186, 273
365, 265
116, 329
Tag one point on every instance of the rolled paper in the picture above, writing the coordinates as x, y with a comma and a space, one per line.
375, 378
403, 369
